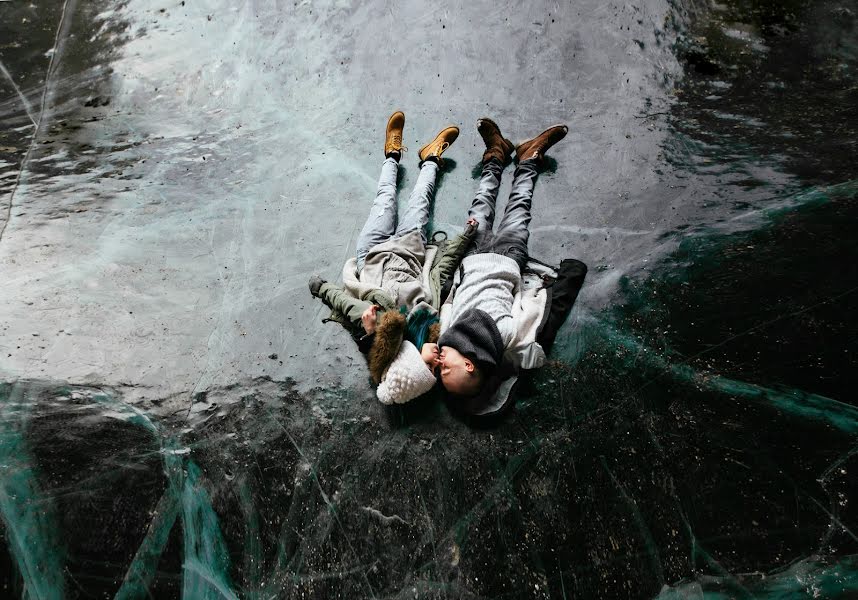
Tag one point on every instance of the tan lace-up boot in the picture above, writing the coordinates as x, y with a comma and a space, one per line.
442, 141
393, 136
497, 146
536, 147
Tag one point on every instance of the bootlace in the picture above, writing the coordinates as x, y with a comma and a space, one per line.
396, 142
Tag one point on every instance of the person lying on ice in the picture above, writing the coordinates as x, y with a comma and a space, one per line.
392, 288
493, 323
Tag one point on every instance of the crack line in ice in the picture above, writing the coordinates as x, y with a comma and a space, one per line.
325, 498
24, 101
30, 524
794, 401
206, 558
833, 517
643, 528
62, 29
754, 329
387, 520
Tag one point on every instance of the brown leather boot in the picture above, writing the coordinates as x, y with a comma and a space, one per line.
442, 141
497, 146
536, 147
393, 137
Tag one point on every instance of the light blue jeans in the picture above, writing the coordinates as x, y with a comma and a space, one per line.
381, 224
513, 232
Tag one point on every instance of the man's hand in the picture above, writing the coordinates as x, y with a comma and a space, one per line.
368, 319
471, 224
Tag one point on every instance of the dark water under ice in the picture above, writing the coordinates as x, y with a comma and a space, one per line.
172, 172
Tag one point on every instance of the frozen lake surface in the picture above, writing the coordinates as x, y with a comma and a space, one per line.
171, 173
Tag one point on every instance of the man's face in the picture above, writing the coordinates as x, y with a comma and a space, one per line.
457, 372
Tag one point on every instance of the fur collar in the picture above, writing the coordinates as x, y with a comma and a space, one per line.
388, 338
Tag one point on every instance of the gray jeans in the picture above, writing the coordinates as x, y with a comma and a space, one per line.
381, 224
512, 234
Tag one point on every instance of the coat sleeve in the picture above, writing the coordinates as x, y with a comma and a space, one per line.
445, 265
563, 293
340, 301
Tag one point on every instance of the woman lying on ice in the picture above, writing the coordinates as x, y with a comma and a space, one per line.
392, 288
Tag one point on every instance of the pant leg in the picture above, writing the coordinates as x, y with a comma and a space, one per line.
417, 214
381, 221
513, 231
483, 206
337, 299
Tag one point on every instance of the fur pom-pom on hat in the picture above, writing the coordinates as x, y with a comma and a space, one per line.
407, 377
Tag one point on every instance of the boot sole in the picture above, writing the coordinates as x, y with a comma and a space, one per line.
437, 137
565, 128
510, 146
487, 120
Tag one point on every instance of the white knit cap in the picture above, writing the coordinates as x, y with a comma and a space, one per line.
406, 378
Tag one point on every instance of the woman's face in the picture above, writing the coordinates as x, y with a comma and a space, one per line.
430, 354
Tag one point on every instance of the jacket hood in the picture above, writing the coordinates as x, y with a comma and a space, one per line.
388, 338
